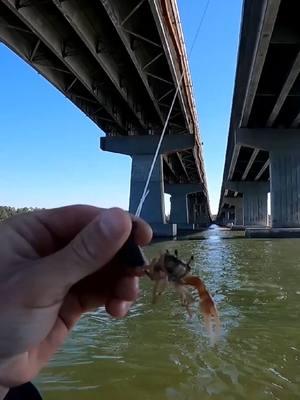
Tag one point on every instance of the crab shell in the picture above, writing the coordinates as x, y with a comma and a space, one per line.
175, 268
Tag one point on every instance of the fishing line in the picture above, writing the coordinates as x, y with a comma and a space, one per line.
146, 191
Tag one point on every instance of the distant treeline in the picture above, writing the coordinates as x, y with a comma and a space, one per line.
6, 212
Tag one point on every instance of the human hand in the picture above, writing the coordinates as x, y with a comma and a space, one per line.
55, 265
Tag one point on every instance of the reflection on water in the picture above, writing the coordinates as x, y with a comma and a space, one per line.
159, 353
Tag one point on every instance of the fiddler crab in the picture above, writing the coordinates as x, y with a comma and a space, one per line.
169, 269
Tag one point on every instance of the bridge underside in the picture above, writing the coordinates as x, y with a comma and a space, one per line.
119, 62
263, 137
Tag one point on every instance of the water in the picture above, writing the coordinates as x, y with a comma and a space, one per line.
158, 352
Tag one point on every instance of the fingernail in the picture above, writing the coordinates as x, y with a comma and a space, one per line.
112, 222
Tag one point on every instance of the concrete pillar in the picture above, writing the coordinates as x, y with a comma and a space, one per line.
239, 215
255, 201
285, 187
179, 203
202, 218
255, 208
222, 218
284, 149
237, 202
179, 210
154, 208
228, 217
231, 215
192, 208
198, 211
142, 149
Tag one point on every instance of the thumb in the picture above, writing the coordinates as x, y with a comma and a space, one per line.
90, 250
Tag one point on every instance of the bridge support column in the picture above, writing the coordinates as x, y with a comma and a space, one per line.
222, 218
285, 187
153, 209
255, 202
255, 208
191, 208
201, 215
179, 204
284, 149
239, 216
231, 215
237, 202
142, 149
227, 217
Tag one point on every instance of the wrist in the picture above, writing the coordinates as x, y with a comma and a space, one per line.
3, 392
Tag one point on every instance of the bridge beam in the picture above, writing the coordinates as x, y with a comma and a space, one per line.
142, 149
270, 12
49, 34
80, 22
284, 148
113, 12
179, 203
286, 88
250, 164
267, 139
255, 202
147, 144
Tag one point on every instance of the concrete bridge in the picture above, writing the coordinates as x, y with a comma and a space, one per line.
119, 62
263, 149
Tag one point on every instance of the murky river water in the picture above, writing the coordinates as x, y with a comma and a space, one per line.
158, 352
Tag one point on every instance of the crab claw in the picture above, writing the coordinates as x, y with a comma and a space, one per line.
207, 305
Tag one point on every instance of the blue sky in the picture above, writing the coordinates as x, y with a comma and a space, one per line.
49, 154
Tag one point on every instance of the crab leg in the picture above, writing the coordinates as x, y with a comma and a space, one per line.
207, 304
185, 296
159, 287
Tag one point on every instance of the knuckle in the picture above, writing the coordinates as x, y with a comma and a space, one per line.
83, 250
